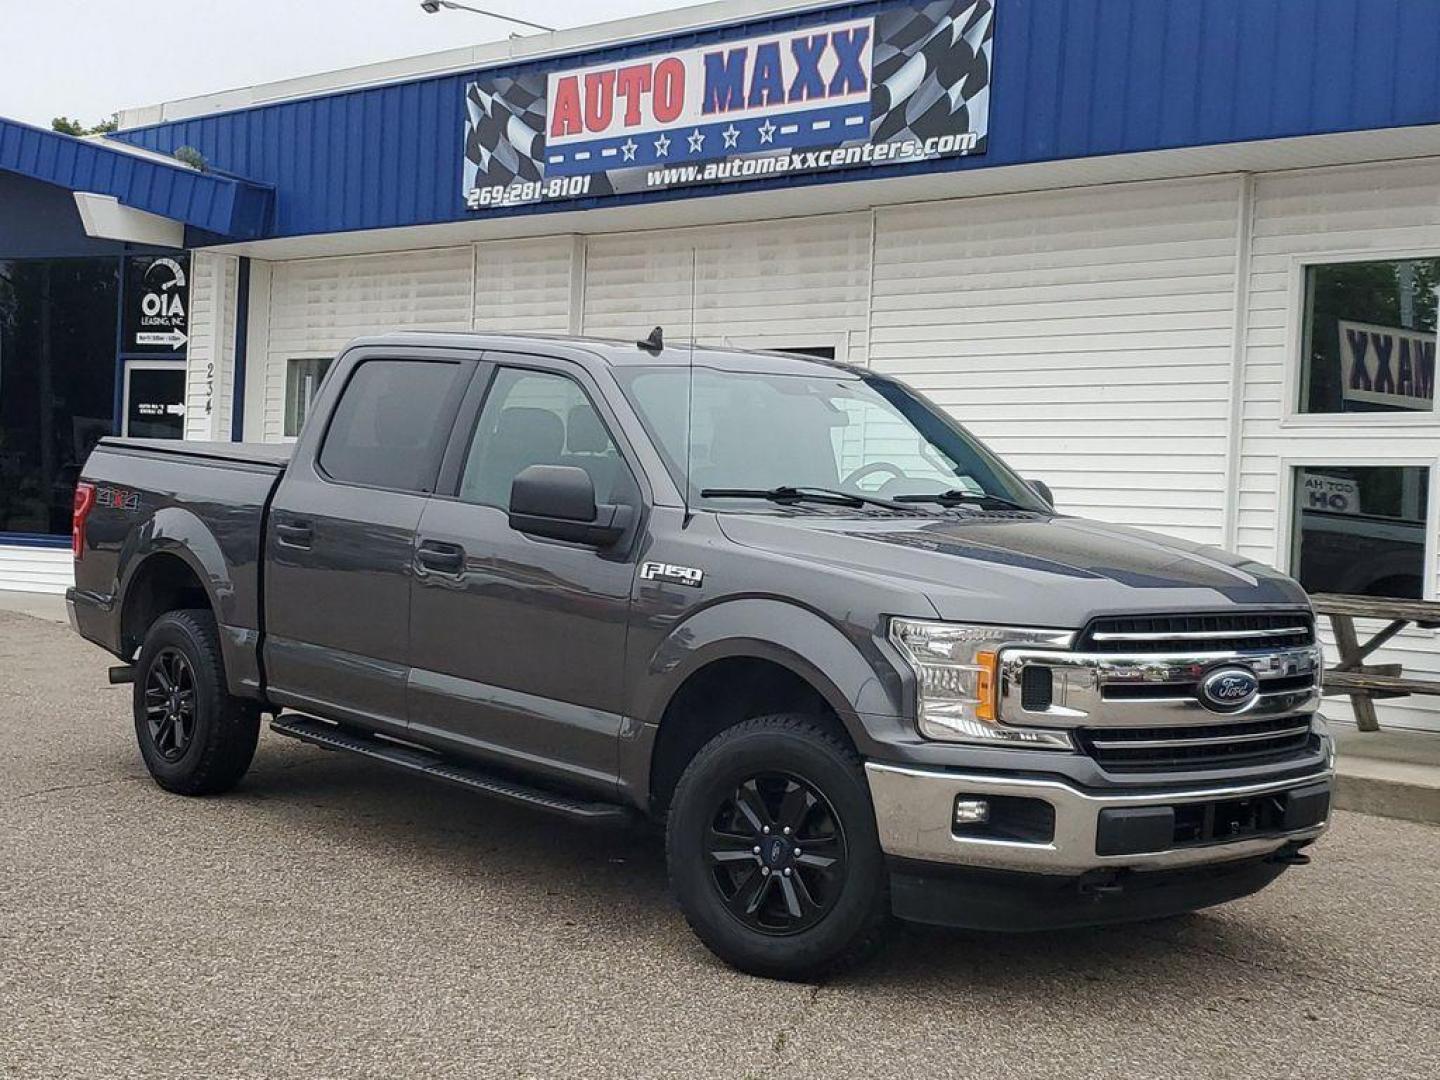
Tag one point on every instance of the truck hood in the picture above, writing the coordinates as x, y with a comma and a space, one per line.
1022, 569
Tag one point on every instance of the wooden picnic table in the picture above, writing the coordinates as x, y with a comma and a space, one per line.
1365, 683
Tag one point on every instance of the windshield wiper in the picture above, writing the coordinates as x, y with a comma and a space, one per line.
956, 496
791, 494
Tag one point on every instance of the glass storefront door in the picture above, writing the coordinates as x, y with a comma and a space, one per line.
154, 399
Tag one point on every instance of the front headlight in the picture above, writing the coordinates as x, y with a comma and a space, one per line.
957, 672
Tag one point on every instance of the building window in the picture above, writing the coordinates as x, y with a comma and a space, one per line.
1370, 337
1360, 530
302, 383
57, 383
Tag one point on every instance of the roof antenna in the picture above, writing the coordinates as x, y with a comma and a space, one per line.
689, 390
655, 343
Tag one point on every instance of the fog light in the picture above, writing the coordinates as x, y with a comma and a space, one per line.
971, 811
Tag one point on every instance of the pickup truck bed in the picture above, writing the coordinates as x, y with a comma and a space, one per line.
202, 504
274, 455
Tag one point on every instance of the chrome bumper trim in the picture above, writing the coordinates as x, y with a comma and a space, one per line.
914, 808
1080, 682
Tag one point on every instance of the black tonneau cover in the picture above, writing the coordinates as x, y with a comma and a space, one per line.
275, 455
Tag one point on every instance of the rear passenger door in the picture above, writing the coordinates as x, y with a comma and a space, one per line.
518, 646
341, 535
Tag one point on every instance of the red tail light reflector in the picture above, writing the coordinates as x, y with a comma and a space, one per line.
84, 502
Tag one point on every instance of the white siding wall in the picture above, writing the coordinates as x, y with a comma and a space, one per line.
528, 285
36, 569
317, 305
803, 281
1317, 215
210, 357
1086, 335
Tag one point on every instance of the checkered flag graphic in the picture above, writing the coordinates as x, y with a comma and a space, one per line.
505, 132
932, 70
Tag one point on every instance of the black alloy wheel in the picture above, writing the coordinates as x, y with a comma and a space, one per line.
170, 703
196, 738
773, 851
777, 854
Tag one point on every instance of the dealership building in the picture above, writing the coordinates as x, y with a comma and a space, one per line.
1177, 258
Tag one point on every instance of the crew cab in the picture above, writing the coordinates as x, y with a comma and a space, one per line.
786, 608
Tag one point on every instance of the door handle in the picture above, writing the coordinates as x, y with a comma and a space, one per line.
295, 534
440, 558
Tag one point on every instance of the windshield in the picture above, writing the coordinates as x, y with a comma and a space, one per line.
763, 431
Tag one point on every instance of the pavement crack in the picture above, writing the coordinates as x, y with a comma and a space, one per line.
73, 787
782, 1037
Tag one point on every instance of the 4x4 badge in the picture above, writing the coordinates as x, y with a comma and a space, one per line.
679, 575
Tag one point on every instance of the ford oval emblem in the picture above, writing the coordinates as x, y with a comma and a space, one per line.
1229, 689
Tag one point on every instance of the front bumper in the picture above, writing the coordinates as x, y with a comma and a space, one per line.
1010, 902
1084, 831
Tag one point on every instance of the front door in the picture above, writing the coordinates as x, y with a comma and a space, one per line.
519, 643
154, 406
341, 538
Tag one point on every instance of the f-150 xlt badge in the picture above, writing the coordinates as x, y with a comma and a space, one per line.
679, 575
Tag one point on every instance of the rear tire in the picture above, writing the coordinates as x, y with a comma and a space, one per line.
195, 737
777, 913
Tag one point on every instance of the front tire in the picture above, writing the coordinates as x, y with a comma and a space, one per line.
195, 737
773, 852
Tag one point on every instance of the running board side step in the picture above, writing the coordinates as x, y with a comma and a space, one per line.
414, 759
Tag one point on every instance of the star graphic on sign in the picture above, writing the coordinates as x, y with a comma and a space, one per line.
662, 146
628, 148
696, 140
767, 131
732, 136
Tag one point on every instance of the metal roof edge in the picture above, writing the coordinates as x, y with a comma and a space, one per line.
224, 205
488, 54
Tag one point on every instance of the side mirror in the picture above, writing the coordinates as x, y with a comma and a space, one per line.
1043, 490
558, 502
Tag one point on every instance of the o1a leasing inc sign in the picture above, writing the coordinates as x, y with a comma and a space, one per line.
157, 305
910, 83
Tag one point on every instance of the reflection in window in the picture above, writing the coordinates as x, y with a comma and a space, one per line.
738, 429
1370, 337
383, 432
302, 383
57, 383
1360, 530
538, 418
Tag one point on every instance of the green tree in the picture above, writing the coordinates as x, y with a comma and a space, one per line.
66, 126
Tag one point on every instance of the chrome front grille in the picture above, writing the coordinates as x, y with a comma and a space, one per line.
1177, 633
1131, 691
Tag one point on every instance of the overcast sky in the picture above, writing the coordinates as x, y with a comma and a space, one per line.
89, 58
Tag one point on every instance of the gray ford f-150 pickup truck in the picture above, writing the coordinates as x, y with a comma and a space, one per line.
855, 665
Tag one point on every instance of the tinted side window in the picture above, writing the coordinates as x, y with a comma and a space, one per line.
385, 432
536, 418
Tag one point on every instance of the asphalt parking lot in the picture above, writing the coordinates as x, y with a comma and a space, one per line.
331, 918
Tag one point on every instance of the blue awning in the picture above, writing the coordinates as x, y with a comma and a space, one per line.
226, 206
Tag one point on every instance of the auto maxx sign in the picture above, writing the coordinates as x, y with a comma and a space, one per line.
1385, 365
909, 83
